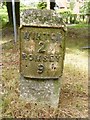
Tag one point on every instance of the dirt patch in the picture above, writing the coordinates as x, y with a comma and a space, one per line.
78, 32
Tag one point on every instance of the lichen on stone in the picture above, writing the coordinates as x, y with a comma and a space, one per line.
41, 17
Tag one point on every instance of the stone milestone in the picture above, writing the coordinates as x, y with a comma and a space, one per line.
42, 50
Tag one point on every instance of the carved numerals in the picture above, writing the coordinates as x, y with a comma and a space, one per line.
47, 51
41, 47
26, 35
40, 68
41, 50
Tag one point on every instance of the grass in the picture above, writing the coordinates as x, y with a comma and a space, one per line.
74, 82
80, 25
77, 38
74, 92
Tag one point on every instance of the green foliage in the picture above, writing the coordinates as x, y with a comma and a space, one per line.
42, 5
72, 4
67, 16
64, 13
3, 16
88, 9
2, 4
79, 26
85, 9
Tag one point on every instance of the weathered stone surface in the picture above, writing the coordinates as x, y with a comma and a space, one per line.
45, 92
42, 52
41, 17
38, 84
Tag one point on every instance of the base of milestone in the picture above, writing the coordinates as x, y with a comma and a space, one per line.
43, 92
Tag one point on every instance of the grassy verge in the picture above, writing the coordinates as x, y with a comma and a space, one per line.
74, 81
74, 85
77, 38
74, 88
80, 25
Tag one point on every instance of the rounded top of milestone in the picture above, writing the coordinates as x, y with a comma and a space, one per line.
41, 18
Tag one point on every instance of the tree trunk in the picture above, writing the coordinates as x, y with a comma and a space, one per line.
52, 4
10, 13
17, 9
9, 10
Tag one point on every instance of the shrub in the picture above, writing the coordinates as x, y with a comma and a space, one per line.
65, 14
42, 5
68, 16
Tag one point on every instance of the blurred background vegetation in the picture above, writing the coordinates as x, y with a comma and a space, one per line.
75, 77
67, 14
